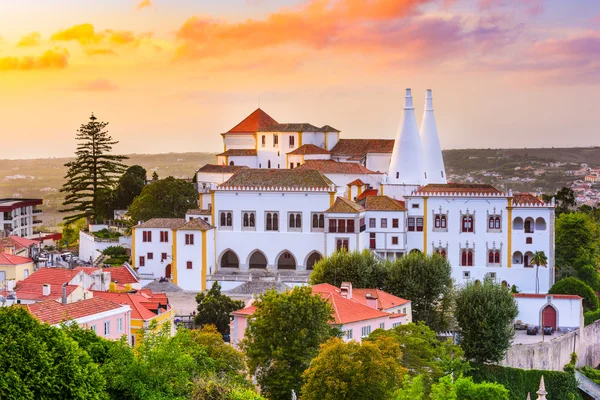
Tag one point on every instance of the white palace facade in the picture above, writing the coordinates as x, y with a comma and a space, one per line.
282, 196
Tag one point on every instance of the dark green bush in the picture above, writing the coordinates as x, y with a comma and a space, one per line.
107, 234
575, 286
590, 317
559, 385
115, 251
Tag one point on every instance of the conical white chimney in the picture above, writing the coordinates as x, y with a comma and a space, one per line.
436, 173
408, 163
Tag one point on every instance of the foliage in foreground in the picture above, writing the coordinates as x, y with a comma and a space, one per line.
215, 308
577, 287
361, 268
447, 389
354, 371
519, 382
485, 313
589, 317
283, 336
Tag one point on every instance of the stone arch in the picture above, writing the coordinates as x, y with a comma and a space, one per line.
286, 260
527, 259
517, 257
231, 163
529, 225
518, 223
311, 259
229, 259
257, 259
168, 271
540, 224
545, 323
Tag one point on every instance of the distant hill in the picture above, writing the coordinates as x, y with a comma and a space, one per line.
44, 177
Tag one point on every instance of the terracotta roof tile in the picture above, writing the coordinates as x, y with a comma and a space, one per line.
239, 153
380, 203
278, 177
121, 275
253, 123
196, 224
542, 296
308, 149
344, 206
346, 310
328, 128
133, 300
356, 182
367, 193
458, 188
215, 168
53, 312
385, 300
34, 291
296, 127
53, 276
167, 223
359, 148
245, 311
197, 211
525, 199
10, 259
334, 167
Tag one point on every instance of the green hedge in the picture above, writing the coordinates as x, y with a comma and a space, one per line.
578, 287
559, 385
590, 317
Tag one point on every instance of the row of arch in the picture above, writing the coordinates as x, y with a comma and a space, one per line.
258, 260
529, 225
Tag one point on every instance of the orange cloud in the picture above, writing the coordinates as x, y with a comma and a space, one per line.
100, 52
83, 33
51, 59
33, 39
96, 85
144, 4
121, 37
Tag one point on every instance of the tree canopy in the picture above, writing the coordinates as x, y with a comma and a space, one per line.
427, 281
166, 198
485, 313
575, 286
94, 172
363, 269
283, 336
215, 308
354, 371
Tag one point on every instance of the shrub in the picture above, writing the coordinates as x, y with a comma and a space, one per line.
115, 251
107, 234
589, 317
560, 385
577, 287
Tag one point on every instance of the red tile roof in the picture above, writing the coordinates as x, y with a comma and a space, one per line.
53, 312
309, 149
458, 188
10, 259
334, 167
344, 206
385, 300
381, 203
253, 123
23, 242
358, 148
139, 302
239, 153
526, 198
367, 193
245, 311
543, 296
121, 274
346, 310
297, 178
34, 291
53, 276
356, 182
215, 168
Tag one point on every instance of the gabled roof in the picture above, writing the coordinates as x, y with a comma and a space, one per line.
215, 168
245, 311
296, 177
10, 259
34, 291
346, 310
53, 312
308, 149
334, 167
526, 199
358, 148
381, 203
367, 193
296, 127
196, 224
139, 302
458, 188
328, 128
344, 206
356, 182
239, 153
385, 300
167, 223
121, 274
23, 242
253, 123
53, 276
197, 211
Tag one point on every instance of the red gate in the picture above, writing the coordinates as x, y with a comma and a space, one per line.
549, 317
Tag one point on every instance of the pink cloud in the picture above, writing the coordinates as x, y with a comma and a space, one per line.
531, 7
96, 85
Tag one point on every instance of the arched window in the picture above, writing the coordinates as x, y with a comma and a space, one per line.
269, 222
497, 223
246, 220
269, 164
491, 257
298, 221
529, 224
443, 221
497, 257
467, 223
292, 221
223, 219
231, 163
438, 221
315, 221
275, 222
322, 221
491, 223
229, 221
469, 258
252, 220
464, 258
443, 253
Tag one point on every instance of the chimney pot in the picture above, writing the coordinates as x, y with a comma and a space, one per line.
46, 289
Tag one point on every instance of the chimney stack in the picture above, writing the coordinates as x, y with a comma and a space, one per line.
346, 290
371, 301
64, 293
46, 289
434, 161
408, 161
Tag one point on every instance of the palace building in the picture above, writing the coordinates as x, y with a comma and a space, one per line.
283, 195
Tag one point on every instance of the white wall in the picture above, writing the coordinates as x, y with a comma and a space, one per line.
569, 311
239, 141
379, 162
90, 248
156, 247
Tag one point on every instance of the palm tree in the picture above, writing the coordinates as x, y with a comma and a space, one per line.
539, 259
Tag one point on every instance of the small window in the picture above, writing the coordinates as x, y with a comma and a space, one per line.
350, 226
164, 236
120, 325
415, 205
348, 334
466, 274
382, 325
142, 261
226, 219
292, 140
396, 324
372, 222
189, 239
150, 256
264, 140
147, 236
189, 265
271, 221
419, 224
529, 240
384, 222
107, 328
341, 244
275, 140
411, 224
366, 331
395, 223
93, 328
163, 256
467, 223
395, 240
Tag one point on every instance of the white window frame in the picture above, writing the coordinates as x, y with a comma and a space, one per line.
250, 214
295, 214
120, 324
365, 331
106, 328
278, 221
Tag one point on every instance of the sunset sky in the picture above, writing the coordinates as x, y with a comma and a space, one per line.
170, 75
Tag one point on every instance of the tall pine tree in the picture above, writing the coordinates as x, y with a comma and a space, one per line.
94, 172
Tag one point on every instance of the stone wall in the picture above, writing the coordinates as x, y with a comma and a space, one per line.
556, 353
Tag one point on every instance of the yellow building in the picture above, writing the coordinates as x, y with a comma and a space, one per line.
13, 269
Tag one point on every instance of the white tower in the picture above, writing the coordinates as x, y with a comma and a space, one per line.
436, 173
408, 164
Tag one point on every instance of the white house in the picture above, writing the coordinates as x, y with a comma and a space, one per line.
559, 311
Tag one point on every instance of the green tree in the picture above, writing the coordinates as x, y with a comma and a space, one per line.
447, 389
539, 259
575, 286
577, 238
565, 200
93, 171
427, 282
215, 308
363, 269
154, 176
70, 231
423, 354
354, 371
166, 198
412, 389
42, 362
283, 336
485, 313
130, 185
